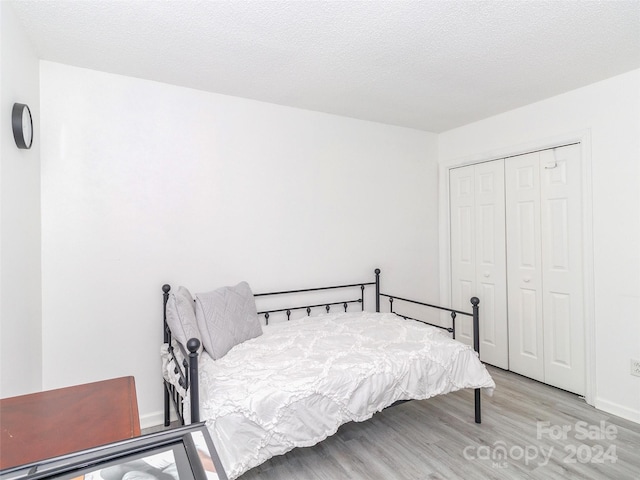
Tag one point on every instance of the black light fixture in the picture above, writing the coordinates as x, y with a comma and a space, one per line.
22, 125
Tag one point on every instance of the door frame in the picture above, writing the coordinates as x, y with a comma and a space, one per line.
583, 137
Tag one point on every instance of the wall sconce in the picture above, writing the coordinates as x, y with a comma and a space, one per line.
22, 125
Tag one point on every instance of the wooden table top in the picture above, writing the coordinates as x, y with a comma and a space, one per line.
56, 422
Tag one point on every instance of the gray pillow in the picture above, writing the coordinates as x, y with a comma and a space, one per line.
181, 317
226, 317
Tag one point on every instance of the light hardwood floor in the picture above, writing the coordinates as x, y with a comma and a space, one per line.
538, 430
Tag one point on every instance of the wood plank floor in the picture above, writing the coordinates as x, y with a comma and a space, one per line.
528, 431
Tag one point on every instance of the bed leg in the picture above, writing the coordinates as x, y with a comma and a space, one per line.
476, 346
167, 415
377, 272
193, 345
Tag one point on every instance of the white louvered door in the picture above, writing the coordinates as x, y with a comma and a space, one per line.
478, 255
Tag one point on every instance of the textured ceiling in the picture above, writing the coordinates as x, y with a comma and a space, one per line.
431, 65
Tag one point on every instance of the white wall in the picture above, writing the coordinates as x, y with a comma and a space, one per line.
20, 292
609, 112
145, 183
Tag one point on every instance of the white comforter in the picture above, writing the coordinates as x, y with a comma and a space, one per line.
298, 382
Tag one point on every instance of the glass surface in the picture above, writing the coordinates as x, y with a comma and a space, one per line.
183, 453
205, 457
168, 464
26, 126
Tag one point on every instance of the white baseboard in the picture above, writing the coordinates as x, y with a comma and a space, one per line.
154, 419
619, 410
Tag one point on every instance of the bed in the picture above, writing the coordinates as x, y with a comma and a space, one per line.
264, 387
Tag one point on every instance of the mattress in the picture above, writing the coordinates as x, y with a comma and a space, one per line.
297, 383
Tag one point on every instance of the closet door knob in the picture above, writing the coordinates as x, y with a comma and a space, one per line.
486, 274
526, 279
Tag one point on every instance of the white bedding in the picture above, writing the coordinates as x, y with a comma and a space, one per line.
298, 382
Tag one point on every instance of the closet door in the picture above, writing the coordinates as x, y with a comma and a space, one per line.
544, 251
562, 268
478, 255
463, 240
524, 266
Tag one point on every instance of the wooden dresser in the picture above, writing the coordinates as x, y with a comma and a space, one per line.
56, 422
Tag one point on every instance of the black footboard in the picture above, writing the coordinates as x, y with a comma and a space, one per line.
475, 302
188, 374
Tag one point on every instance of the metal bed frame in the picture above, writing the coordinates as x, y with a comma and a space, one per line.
188, 374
